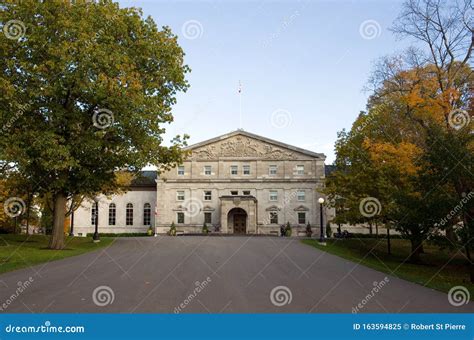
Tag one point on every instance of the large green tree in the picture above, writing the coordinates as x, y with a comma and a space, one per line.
85, 91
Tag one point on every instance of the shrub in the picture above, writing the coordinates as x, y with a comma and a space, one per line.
309, 231
172, 231
117, 234
328, 230
288, 230
205, 230
150, 231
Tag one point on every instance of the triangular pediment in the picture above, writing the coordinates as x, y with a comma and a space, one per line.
242, 144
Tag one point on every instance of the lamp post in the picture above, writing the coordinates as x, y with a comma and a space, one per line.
96, 238
321, 233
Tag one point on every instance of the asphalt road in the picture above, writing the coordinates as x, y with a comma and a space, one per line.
198, 274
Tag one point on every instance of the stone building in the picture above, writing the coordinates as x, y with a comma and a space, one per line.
237, 183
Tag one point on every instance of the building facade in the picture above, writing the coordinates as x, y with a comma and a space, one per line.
238, 183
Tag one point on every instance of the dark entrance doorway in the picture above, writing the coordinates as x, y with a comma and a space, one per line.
238, 217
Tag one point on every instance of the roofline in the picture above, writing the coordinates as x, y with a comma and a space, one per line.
252, 135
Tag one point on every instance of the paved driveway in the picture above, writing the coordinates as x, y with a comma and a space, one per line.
214, 274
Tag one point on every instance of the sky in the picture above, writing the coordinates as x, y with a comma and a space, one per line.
302, 65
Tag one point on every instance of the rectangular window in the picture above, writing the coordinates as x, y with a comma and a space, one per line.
147, 214
301, 218
234, 169
246, 169
246, 192
300, 169
129, 214
180, 170
273, 195
180, 195
207, 170
180, 217
301, 195
93, 214
112, 214
234, 193
207, 195
207, 217
272, 170
273, 217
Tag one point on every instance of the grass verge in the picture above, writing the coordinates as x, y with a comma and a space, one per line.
20, 251
440, 270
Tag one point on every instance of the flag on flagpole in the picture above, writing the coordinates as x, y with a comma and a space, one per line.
240, 87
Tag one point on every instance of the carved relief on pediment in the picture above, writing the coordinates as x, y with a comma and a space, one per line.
241, 146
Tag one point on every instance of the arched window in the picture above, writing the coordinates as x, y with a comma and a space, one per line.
147, 214
129, 214
112, 213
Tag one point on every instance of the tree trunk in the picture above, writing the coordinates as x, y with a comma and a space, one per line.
376, 230
370, 228
57, 236
416, 247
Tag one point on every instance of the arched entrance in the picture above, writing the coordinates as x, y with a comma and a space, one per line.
237, 218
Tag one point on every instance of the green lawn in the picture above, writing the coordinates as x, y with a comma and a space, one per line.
19, 251
440, 270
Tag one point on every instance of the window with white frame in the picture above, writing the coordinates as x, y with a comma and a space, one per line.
180, 170
246, 169
129, 214
180, 217
272, 170
112, 214
234, 192
273, 217
147, 214
246, 192
301, 218
234, 169
180, 195
300, 169
93, 213
208, 195
301, 195
207, 170
273, 196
